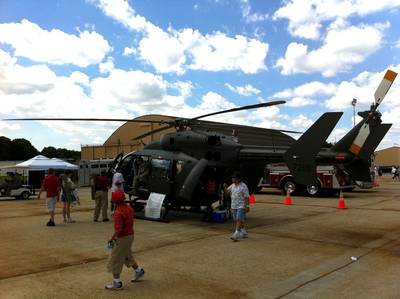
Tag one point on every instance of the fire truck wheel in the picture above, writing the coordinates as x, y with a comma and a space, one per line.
313, 190
289, 186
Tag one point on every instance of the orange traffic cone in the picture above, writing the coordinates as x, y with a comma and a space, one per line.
288, 199
341, 203
252, 199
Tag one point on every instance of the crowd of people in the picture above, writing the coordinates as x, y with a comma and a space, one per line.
62, 187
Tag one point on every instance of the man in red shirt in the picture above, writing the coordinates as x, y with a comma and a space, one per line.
51, 184
121, 241
102, 183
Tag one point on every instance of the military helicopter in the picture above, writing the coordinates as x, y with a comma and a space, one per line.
190, 165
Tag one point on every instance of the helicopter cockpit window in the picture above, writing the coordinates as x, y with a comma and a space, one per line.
161, 166
126, 163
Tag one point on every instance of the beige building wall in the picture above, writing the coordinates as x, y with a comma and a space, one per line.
121, 141
388, 156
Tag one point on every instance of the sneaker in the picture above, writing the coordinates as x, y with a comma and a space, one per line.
244, 233
51, 223
114, 286
106, 219
70, 220
137, 275
236, 236
95, 220
65, 220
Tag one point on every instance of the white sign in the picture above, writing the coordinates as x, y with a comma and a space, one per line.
154, 204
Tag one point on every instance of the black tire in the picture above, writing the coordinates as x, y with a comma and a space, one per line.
313, 190
25, 195
289, 183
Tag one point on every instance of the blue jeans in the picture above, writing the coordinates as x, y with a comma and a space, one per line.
239, 214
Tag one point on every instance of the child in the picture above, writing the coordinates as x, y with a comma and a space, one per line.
122, 240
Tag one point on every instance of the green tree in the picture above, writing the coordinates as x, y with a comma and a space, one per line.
61, 153
5, 148
22, 149
50, 152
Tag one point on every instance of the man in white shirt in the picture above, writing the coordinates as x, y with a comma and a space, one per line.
239, 204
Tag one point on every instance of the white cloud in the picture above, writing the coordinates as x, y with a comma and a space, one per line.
301, 122
5, 128
247, 90
306, 16
248, 16
179, 50
129, 51
300, 102
342, 48
307, 90
80, 78
55, 46
107, 66
218, 52
15, 79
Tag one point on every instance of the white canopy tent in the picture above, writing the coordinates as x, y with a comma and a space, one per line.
43, 163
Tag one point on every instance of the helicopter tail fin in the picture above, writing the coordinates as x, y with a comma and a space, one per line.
359, 168
300, 157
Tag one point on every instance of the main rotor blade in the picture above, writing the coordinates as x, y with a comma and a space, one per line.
216, 124
88, 119
242, 108
153, 132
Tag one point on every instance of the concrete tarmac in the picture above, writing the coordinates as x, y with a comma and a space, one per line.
307, 250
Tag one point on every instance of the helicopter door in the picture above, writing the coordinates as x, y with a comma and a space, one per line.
160, 178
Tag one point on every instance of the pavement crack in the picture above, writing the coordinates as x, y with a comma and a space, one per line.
367, 252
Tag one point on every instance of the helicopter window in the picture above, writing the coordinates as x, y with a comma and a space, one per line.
214, 140
161, 166
160, 163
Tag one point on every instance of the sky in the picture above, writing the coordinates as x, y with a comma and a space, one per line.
124, 59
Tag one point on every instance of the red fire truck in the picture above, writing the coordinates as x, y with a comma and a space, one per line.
330, 180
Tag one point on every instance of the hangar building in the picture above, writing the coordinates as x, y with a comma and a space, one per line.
388, 157
121, 140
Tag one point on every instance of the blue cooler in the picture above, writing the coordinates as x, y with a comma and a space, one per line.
219, 216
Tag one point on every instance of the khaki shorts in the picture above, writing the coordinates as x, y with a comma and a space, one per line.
51, 203
120, 255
